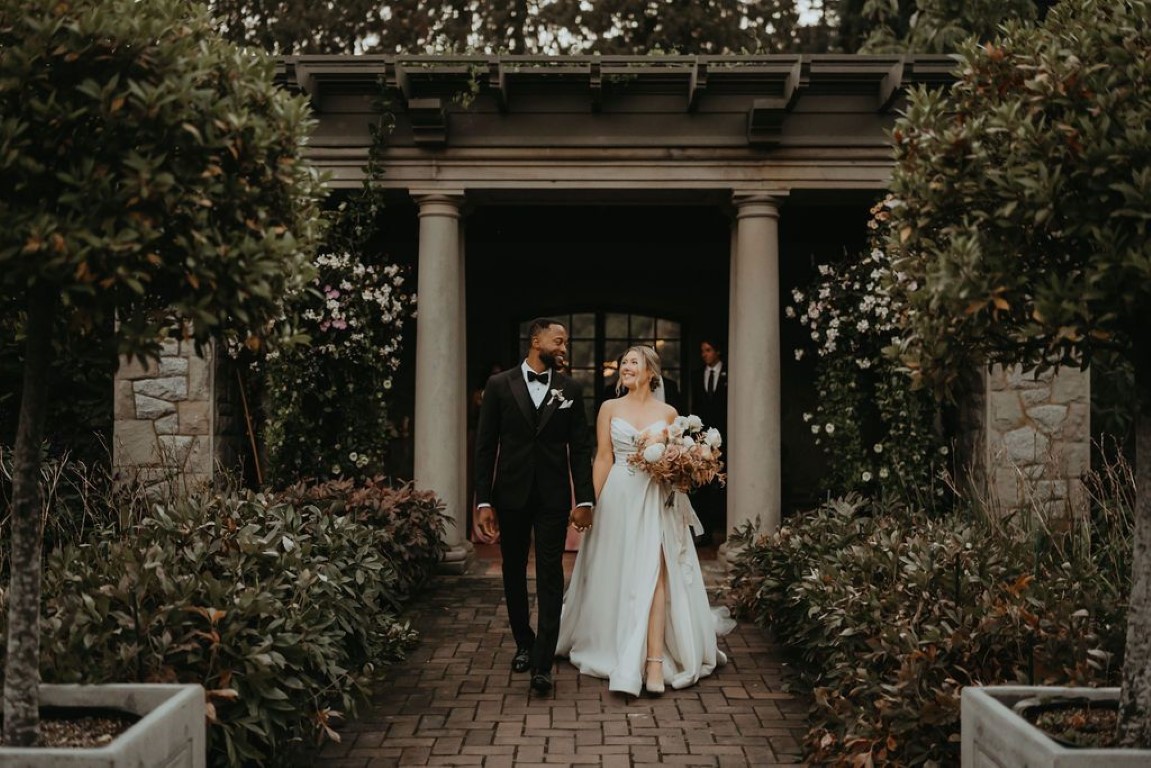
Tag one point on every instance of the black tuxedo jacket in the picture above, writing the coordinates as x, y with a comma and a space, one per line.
518, 446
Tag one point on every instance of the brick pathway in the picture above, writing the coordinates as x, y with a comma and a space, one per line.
455, 701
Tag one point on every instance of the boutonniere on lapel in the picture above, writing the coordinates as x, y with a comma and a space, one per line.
557, 397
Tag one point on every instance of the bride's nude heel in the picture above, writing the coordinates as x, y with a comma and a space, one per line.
654, 687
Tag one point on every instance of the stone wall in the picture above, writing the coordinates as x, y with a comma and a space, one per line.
1037, 438
165, 417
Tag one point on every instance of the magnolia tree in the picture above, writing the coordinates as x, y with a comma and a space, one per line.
1022, 234
149, 171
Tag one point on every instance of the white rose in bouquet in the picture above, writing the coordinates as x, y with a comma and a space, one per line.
654, 452
694, 423
713, 438
677, 427
687, 442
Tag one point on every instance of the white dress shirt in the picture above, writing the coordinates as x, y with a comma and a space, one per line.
707, 377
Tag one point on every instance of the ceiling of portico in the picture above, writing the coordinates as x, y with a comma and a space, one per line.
579, 124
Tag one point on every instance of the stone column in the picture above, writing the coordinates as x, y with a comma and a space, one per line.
1037, 440
164, 429
441, 394
754, 436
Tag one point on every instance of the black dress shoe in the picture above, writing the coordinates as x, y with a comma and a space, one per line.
542, 682
522, 661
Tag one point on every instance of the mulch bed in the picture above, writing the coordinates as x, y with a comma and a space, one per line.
1077, 725
80, 730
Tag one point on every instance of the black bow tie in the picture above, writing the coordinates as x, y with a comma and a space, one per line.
542, 378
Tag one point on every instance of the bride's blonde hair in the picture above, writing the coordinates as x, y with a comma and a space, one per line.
650, 360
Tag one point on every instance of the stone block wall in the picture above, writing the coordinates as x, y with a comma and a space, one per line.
1037, 438
165, 417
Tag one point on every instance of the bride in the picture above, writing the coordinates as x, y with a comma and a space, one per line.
636, 611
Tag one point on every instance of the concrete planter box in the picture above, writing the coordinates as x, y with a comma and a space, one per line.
994, 736
170, 734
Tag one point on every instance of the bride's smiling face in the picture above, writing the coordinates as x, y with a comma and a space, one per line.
632, 371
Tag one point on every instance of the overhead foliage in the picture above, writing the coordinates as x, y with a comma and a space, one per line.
513, 26
299, 26
920, 26
646, 26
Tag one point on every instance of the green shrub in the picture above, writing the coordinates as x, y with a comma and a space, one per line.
282, 608
412, 522
891, 612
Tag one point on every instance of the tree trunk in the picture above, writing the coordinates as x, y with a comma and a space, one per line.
22, 665
519, 31
1135, 700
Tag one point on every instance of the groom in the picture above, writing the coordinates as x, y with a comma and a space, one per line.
531, 443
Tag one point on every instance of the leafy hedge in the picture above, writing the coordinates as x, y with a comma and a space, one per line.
282, 606
891, 612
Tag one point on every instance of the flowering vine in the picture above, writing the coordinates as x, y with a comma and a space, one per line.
326, 402
878, 433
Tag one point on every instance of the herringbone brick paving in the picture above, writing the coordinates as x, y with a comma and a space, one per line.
455, 701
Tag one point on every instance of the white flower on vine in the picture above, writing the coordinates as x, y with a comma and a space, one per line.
866, 477
815, 429
799, 354
829, 428
883, 473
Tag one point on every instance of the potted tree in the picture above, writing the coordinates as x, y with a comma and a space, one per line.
1020, 236
152, 173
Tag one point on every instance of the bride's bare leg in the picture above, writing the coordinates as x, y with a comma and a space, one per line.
657, 619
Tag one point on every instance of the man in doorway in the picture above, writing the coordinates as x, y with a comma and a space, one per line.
532, 443
709, 402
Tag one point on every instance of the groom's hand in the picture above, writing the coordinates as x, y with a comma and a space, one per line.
487, 527
581, 518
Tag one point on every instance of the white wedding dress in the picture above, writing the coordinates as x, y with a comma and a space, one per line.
603, 630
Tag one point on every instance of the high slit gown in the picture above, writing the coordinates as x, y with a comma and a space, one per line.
603, 629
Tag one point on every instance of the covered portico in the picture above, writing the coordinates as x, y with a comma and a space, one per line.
744, 135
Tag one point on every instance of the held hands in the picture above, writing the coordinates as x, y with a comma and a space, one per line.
486, 526
581, 518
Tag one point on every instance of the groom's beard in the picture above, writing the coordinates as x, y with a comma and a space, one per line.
550, 360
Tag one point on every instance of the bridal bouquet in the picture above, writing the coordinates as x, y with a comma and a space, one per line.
682, 456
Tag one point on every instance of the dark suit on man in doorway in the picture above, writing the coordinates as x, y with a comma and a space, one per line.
709, 402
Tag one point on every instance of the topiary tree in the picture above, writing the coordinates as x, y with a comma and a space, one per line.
1022, 236
151, 172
